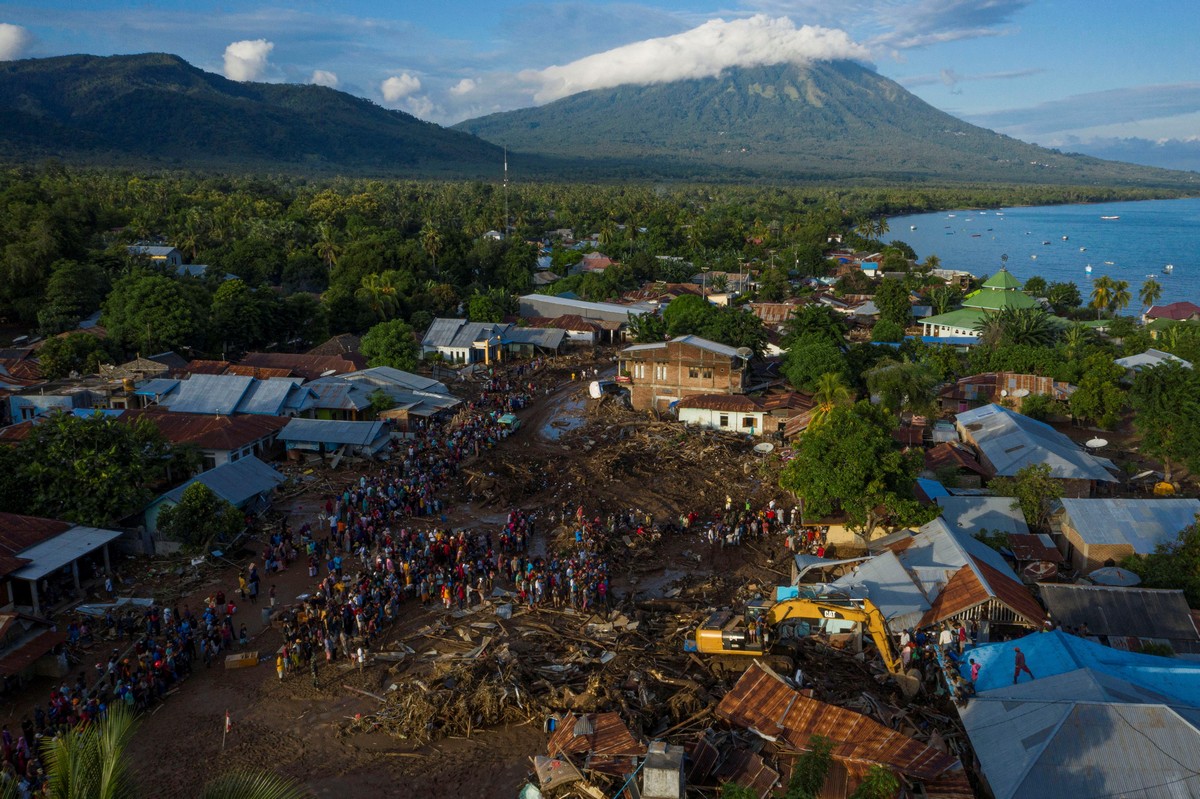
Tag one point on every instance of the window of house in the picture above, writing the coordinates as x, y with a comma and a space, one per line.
234, 456
209, 462
724, 420
693, 372
660, 371
706, 374
639, 370
748, 421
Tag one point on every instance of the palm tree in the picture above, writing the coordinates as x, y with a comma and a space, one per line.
1151, 292
1120, 296
327, 247
431, 241
1031, 326
1075, 340
718, 282
991, 330
942, 298
831, 392
380, 295
880, 227
90, 763
1102, 293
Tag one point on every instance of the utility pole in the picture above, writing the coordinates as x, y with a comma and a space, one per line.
506, 192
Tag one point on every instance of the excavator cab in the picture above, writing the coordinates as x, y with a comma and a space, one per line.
727, 631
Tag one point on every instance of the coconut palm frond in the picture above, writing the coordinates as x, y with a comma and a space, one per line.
253, 785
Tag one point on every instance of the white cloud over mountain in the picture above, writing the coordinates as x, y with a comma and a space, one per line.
247, 59
701, 52
14, 41
397, 87
323, 77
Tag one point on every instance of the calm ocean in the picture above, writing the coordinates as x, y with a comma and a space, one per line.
1058, 242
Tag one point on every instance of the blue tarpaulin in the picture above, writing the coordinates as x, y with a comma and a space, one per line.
1048, 654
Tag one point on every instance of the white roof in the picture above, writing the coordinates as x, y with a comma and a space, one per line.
1149, 359
971, 514
694, 341
884, 580
1011, 441
1142, 523
52, 554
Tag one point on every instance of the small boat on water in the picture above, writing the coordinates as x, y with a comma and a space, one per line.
976, 235
912, 227
1083, 249
1168, 269
1088, 269
1064, 238
1045, 242
1110, 217
950, 216
1108, 263
1034, 257
999, 213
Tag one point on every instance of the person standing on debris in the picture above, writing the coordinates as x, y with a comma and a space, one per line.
312, 666
1019, 665
974, 671
945, 638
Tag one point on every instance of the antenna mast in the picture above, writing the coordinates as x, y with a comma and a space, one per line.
506, 192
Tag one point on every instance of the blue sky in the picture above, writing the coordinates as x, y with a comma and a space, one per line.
1078, 74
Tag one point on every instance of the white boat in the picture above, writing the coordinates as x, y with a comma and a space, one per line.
912, 227
1064, 238
1088, 269
1108, 263
1083, 249
1034, 257
950, 216
999, 213
1110, 217
1168, 269
1045, 242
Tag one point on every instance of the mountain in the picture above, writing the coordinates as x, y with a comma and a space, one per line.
822, 120
156, 109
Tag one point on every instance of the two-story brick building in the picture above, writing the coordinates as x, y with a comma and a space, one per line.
659, 375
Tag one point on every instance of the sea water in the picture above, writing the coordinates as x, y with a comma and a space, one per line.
1146, 237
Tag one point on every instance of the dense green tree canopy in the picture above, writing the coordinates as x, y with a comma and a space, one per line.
200, 518
152, 313
91, 471
810, 357
1033, 490
1167, 401
851, 465
391, 344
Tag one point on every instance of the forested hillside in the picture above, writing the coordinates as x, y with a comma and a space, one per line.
824, 120
158, 109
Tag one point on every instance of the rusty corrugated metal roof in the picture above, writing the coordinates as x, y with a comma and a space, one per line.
763, 702
1027, 546
608, 736
749, 770
721, 402
965, 590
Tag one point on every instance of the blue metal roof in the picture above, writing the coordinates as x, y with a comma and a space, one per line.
932, 488
237, 482
210, 394
158, 387
328, 431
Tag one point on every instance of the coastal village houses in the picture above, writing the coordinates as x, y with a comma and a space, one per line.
660, 375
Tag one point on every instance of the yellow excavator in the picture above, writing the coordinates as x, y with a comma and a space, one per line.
769, 631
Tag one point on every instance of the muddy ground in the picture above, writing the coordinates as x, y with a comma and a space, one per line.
569, 448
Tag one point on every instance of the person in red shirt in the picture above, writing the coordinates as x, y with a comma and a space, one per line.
1020, 665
